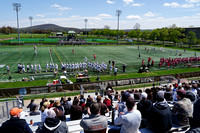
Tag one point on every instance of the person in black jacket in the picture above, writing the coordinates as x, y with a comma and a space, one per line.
144, 106
15, 124
195, 121
160, 116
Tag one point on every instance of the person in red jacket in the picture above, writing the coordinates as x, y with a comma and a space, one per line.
94, 56
107, 101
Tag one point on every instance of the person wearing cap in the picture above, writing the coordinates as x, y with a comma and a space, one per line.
95, 122
15, 124
160, 116
128, 122
52, 123
144, 106
182, 109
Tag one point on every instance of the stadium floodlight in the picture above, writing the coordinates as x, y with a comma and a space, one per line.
86, 20
17, 9
118, 13
31, 18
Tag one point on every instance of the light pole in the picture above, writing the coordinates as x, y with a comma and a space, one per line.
118, 13
86, 20
17, 8
31, 18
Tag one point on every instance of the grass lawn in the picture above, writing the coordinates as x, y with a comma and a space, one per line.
12, 55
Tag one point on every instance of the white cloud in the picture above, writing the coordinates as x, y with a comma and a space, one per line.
75, 16
40, 15
128, 1
133, 17
149, 14
110, 2
187, 5
105, 16
192, 1
173, 5
59, 7
137, 4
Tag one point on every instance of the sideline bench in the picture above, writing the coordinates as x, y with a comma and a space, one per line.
80, 79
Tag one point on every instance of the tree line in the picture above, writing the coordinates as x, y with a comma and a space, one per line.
171, 34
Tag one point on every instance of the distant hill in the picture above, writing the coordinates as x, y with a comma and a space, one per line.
49, 27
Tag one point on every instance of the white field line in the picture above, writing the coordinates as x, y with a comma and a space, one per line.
50, 56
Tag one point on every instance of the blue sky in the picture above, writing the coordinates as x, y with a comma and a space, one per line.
150, 14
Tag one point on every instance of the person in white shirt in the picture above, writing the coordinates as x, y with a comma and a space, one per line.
129, 121
44, 110
8, 69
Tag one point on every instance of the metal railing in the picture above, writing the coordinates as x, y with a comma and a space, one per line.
6, 105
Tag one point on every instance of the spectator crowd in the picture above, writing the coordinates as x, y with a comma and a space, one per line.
157, 108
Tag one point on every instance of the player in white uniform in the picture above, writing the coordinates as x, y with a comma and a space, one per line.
23, 68
8, 69
31, 68
35, 68
111, 68
39, 68
56, 67
27, 68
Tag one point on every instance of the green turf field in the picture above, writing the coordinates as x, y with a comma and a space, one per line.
12, 55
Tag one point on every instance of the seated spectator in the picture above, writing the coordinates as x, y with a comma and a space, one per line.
15, 124
61, 109
52, 123
88, 103
195, 121
82, 97
160, 118
82, 104
95, 123
116, 97
69, 102
132, 93
34, 111
144, 106
66, 106
129, 122
122, 104
51, 104
44, 110
95, 97
76, 110
191, 95
182, 109
42, 102
31, 104
168, 94
107, 102
104, 108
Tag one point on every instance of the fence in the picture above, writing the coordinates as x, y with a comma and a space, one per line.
6, 105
